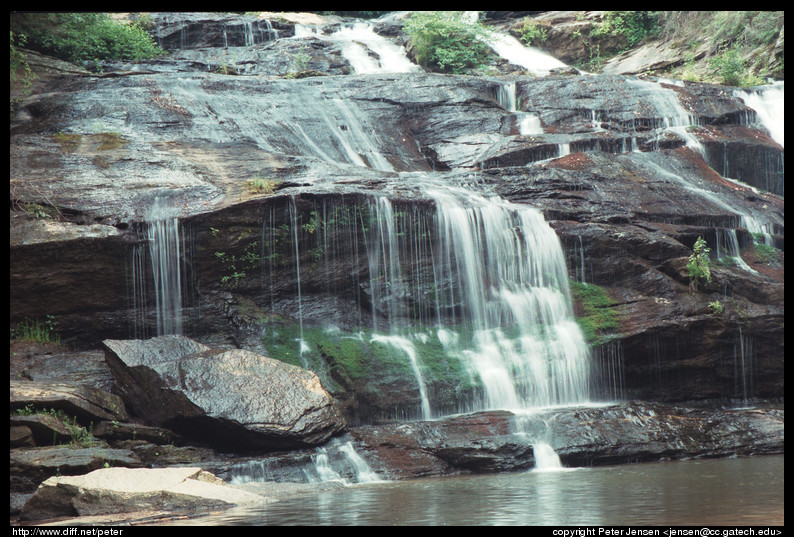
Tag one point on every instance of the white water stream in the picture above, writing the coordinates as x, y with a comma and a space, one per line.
511, 49
511, 276
367, 52
768, 103
164, 242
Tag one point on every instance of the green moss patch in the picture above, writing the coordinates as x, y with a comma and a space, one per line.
598, 320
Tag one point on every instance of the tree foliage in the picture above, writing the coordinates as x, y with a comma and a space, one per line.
449, 41
84, 37
634, 25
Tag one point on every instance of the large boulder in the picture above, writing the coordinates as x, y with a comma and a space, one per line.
125, 490
234, 400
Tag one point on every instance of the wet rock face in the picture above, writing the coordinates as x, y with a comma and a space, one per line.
613, 434
234, 400
201, 30
249, 156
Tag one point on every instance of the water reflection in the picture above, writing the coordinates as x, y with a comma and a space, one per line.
738, 491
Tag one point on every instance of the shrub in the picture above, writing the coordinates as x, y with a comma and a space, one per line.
19, 68
699, 264
532, 32
634, 25
86, 37
447, 40
729, 66
766, 254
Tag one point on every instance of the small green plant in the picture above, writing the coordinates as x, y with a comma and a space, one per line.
262, 186
21, 75
311, 225
85, 37
300, 60
633, 25
716, 307
40, 332
698, 265
532, 32
79, 436
234, 268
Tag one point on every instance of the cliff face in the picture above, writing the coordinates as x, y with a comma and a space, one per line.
272, 186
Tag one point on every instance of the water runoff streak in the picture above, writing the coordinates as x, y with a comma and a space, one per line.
164, 241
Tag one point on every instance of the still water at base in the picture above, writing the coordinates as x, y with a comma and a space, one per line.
735, 491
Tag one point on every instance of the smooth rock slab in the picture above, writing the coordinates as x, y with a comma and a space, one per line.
28, 467
86, 403
124, 490
234, 400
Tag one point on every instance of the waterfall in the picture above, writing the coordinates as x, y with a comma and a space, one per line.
533, 60
546, 459
327, 468
609, 379
322, 472
512, 283
407, 347
475, 278
745, 219
335, 462
536, 430
767, 101
528, 123
164, 244
366, 51
511, 49
669, 111
728, 246
743, 360
362, 470
294, 224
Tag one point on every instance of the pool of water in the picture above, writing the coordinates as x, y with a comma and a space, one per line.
733, 491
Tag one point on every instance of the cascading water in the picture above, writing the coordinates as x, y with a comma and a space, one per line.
164, 241
335, 462
768, 103
512, 281
747, 220
508, 47
675, 118
546, 459
743, 361
528, 123
473, 276
671, 115
408, 348
367, 52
